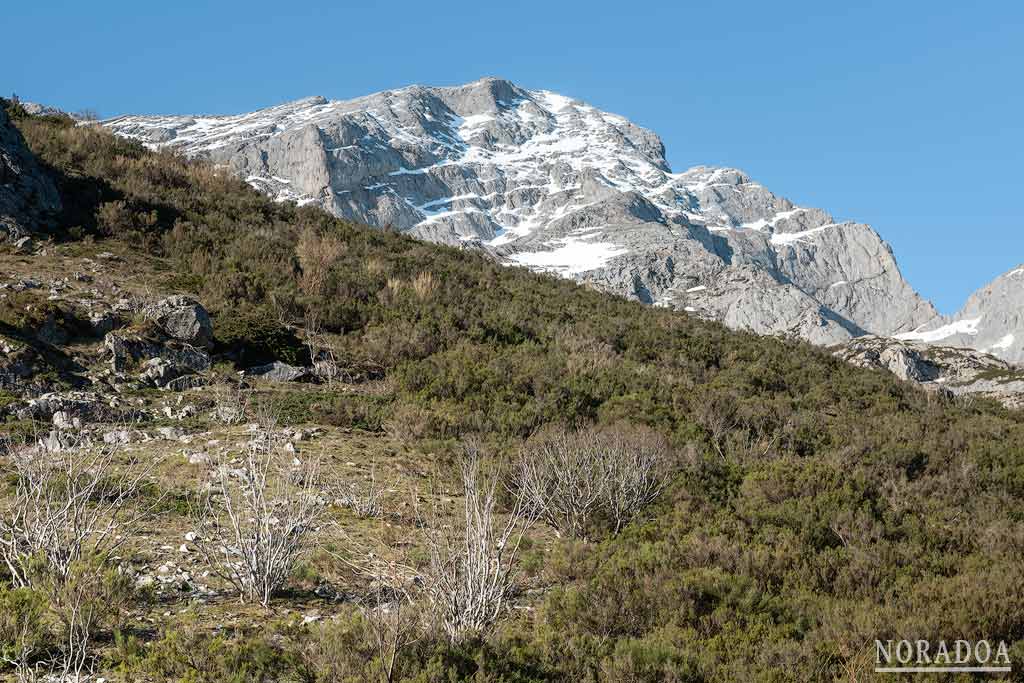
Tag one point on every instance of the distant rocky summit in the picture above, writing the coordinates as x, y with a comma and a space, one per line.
992, 320
551, 183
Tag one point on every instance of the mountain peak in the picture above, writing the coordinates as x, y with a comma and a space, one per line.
541, 179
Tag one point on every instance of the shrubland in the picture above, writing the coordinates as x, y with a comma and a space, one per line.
807, 507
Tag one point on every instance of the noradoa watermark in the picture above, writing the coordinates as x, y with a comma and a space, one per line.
958, 656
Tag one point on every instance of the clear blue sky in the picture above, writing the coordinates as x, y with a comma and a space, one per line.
905, 115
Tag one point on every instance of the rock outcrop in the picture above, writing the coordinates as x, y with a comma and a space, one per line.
955, 371
184, 319
174, 353
551, 183
28, 197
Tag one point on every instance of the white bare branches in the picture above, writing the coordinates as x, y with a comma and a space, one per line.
259, 516
366, 499
390, 609
470, 577
580, 481
321, 353
69, 503
73, 506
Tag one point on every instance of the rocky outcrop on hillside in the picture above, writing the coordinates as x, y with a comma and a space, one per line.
951, 370
28, 197
556, 185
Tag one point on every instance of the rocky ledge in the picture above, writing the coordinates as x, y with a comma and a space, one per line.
944, 369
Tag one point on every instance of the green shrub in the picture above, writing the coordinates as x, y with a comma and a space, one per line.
252, 337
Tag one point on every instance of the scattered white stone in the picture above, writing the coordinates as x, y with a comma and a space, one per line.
170, 433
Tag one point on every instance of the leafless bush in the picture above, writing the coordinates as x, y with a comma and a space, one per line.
470, 576
231, 404
366, 499
258, 518
73, 506
92, 598
388, 607
581, 480
321, 353
69, 503
317, 253
23, 636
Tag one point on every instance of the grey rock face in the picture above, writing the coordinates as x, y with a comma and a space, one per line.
184, 319
553, 184
127, 349
280, 372
28, 197
992, 320
166, 374
949, 370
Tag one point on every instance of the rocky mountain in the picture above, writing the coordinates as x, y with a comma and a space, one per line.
992, 320
551, 183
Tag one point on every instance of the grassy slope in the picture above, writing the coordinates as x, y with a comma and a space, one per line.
817, 506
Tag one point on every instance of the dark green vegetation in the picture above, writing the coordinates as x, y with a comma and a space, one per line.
816, 506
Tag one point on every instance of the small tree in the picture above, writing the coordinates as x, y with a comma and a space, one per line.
583, 480
259, 517
470, 577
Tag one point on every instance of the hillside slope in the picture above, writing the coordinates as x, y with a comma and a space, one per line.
552, 183
813, 507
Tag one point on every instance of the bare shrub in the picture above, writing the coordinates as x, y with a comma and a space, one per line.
69, 503
92, 598
365, 499
73, 506
325, 362
470, 576
23, 633
317, 253
231, 404
258, 519
580, 481
392, 617
424, 285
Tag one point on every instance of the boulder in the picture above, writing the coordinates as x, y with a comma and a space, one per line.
126, 349
184, 319
280, 372
124, 436
64, 421
907, 364
74, 405
160, 372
